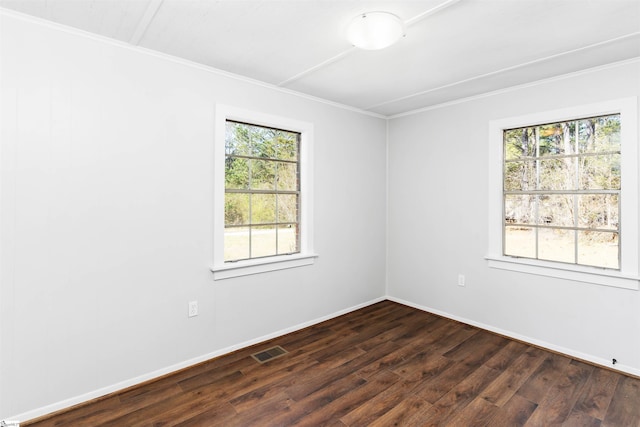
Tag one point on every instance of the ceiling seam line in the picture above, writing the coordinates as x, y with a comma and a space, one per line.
145, 21
317, 67
430, 12
503, 70
456, 101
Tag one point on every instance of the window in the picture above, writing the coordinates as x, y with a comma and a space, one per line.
564, 193
561, 191
262, 193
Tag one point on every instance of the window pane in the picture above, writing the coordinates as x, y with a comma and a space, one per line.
519, 208
608, 133
520, 241
263, 174
236, 243
598, 249
598, 211
287, 208
287, 177
556, 245
600, 172
236, 209
263, 241
263, 143
263, 208
520, 176
236, 173
237, 139
557, 138
519, 143
557, 210
600, 134
287, 147
288, 239
558, 174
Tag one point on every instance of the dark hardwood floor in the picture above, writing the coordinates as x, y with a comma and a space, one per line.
383, 365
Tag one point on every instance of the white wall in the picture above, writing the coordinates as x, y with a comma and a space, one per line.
106, 220
438, 180
106, 187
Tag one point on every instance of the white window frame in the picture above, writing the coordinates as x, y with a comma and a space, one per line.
627, 277
306, 256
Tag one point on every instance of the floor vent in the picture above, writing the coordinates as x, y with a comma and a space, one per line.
269, 354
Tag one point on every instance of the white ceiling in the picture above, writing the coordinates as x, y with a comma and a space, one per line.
453, 48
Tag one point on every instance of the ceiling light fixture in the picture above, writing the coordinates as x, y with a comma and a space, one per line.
375, 30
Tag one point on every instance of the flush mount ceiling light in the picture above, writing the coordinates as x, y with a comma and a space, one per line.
375, 30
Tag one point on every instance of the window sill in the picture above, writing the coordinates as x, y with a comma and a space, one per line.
569, 272
262, 265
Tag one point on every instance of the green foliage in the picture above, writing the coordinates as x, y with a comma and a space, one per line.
236, 173
236, 209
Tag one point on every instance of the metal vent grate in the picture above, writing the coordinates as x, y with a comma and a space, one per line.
269, 354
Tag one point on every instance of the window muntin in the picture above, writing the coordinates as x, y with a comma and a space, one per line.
262, 192
561, 192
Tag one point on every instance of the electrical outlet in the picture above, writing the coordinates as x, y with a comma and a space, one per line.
193, 308
460, 279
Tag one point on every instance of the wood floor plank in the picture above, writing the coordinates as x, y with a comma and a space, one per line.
477, 413
383, 365
406, 413
366, 316
391, 332
346, 403
457, 398
426, 360
505, 357
318, 400
598, 393
580, 419
468, 361
516, 412
398, 315
268, 384
219, 414
211, 375
624, 409
319, 379
423, 366
539, 383
262, 412
513, 376
354, 339
425, 326
474, 345
310, 351
380, 404
559, 401
300, 341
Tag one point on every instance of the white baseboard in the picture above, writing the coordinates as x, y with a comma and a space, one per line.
559, 349
39, 412
35, 413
